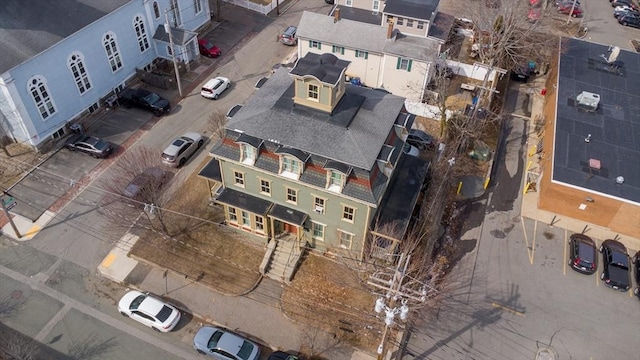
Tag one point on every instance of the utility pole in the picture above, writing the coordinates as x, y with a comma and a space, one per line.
397, 290
167, 29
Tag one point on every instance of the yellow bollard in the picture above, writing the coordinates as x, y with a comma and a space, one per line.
486, 182
459, 187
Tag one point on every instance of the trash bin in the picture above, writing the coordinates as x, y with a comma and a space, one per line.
77, 128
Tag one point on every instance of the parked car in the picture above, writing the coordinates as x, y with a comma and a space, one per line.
149, 311
630, 20
288, 36
620, 11
144, 99
615, 261
214, 87
582, 254
534, 15
566, 3
420, 139
567, 8
636, 265
410, 150
208, 49
281, 355
91, 145
224, 345
629, 3
145, 185
181, 149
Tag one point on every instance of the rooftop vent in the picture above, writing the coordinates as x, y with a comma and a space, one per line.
588, 101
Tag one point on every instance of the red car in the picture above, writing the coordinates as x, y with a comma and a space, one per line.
208, 49
566, 9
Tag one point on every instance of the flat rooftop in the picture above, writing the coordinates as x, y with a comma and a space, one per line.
594, 149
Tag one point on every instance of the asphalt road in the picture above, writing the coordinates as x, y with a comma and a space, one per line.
514, 294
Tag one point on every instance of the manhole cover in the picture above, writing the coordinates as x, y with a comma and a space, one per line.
16, 294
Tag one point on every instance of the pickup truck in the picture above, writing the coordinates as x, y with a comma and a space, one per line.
144, 99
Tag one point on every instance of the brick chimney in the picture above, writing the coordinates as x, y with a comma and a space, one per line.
336, 15
390, 30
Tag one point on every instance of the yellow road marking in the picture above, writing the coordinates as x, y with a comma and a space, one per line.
533, 242
526, 239
109, 259
496, 305
34, 230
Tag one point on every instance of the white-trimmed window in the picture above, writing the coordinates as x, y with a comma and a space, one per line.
259, 223
317, 231
238, 178
37, 87
362, 54
400, 21
335, 181
197, 4
156, 10
265, 187
319, 204
348, 3
58, 134
375, 6
79, 72
348, 213
233, 216
141, 33
292, 195
410, 23
313, 92
337, 49
315, 44
175, 13
111, 47
420, 25
248, 154
345, 240
404, 64
290, 167
246, 220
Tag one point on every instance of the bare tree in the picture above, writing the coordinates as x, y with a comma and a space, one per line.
16, 346
216, 123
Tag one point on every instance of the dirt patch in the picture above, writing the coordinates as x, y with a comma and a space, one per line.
330, 296
199, 246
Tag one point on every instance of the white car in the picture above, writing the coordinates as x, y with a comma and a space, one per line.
148, 310
214, 87
181, 149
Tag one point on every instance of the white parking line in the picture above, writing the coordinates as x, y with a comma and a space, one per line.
566, 245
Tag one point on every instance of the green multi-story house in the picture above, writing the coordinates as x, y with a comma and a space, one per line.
310, 162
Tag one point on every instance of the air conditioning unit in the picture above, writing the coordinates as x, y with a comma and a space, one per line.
588, 101
319, 209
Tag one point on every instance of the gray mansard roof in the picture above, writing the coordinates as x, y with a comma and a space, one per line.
28, 28
363, 36
271, 115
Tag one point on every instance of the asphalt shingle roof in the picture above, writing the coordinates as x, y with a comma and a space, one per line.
614, 126
265, 116
27, 28
363, 36
415, 9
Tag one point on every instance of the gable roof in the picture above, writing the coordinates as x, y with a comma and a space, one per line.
29, 29
614, 127
363, 36
415, 9
271, 115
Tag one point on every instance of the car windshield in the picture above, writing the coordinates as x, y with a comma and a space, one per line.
213, 342
619, 259
208, 46
164, 313
178, 142
217, 84
101, 144
137, 301
246, 350
152, 98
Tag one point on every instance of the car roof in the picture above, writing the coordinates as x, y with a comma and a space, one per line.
213, 82
151, 305
227, 341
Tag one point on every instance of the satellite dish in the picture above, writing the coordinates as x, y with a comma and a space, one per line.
613, 55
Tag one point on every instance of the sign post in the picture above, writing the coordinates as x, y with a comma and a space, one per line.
8, 202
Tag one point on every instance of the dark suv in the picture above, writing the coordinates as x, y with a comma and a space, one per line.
615, 261
582, 254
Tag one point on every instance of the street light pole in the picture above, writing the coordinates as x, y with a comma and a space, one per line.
167, 29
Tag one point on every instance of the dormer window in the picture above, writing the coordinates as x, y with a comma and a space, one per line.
290, 167
313, 92
247, 154
336, 181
